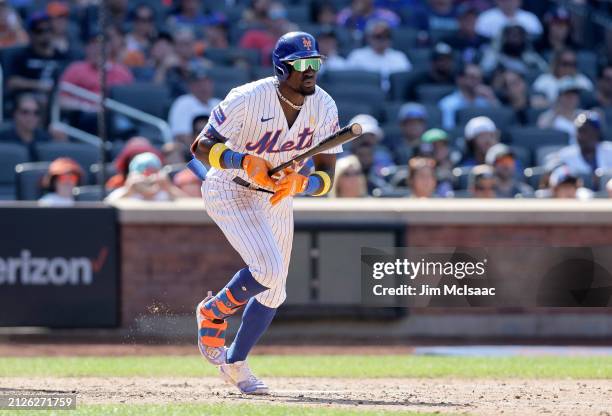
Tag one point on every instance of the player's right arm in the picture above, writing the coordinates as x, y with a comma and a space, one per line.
210, 147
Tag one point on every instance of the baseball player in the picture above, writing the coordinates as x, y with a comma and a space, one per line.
258, 126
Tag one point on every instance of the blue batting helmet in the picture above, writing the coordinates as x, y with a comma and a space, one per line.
292, 46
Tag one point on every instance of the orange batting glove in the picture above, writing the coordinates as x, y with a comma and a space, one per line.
289, 185
257, 169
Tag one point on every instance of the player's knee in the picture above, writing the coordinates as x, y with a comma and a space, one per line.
272, 300
270, 274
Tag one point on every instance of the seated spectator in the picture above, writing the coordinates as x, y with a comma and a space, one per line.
26, 126
422, 177
349, 179
482, 182
564, 64
564, 184
138, 41
491, 22
441, 70
146, 181
36, 68
603, 93
323, 12
189, 183
132, 148
200, 100
361, 12
11, 29
481, 134
514, 52
256, 15
373, 157
216, 34
470, 92
191, 16
513, 92
159, 62
561, 116
63, 176
328, 47
436, 15
502, 159
413, 121
557, 31
466, 40
378, 56
590, 152
185, 57
435, 144
64, 33
86, 74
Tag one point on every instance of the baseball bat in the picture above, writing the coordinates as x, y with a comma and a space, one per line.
342, 136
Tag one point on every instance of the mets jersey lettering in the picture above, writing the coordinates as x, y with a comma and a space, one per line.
267, 142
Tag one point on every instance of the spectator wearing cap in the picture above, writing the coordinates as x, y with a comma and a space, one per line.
412, 119
435, 144
563, 183
360, 13
200, 100
328, 47
25, 127
63, 176
421, 179
138, 41
512, 90
133, 147
563, 64
440, 72
146, 181
481, 134
565, 110
435, 15
471, 92
503, 161
491, 22
557, 31
590, 152
349, 179
466, 40
373, 157
513, 51
190, 15
36, 68
64, 33
482, 182
12, 32
603, 92
378, 56
184, 57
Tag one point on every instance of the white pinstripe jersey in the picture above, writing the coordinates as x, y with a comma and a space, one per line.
251, 120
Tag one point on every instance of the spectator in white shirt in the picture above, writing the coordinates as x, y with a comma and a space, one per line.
378, 56
564, 64
200, 100
63, 176
562, 115
491, 22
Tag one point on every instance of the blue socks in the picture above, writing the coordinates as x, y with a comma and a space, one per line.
255, 320
242, 287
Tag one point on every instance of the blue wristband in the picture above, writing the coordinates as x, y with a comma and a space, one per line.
315, 183
232, 160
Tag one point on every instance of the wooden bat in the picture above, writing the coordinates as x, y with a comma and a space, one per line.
344, 135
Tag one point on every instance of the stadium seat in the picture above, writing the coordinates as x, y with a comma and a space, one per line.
352, 78
227, 56
259, 72
349, 109
298, 14
603, 176
28, 177
523, 155
390, 111
543, 153
404, 39
533, 114
420, 59
587, 63
85, 154
375, 97
145, 96
503, 117
393, 134
461, 177
533, 175
11, 154
94, 171
533, 137
89, 193
432, 93
227, 73
400, 83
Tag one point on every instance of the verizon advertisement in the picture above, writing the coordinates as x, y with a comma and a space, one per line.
58, 267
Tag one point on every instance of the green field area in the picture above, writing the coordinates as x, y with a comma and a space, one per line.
350, 366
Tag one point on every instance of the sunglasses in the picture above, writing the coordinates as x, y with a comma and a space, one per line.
27, 112
302, 65
68, 178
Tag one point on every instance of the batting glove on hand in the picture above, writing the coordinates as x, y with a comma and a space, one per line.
289, 185
257, 169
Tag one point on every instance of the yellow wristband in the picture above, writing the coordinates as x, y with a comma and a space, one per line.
214, 155
326, 182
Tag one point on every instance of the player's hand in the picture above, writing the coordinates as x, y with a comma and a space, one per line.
257, 169
289, 185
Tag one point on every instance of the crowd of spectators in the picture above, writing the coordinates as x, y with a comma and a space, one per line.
458, 98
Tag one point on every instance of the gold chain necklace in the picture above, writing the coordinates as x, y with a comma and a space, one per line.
289, 103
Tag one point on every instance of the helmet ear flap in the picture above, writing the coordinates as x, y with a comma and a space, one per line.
282, 71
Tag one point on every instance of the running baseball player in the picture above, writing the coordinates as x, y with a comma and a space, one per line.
258, 126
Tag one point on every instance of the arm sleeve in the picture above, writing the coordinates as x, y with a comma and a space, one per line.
226, 119
330, 125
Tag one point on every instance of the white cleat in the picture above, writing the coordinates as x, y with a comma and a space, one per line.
239, 374
214, 355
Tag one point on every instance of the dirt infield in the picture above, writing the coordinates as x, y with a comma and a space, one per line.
474, 397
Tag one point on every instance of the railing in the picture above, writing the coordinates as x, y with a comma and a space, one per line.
110, 104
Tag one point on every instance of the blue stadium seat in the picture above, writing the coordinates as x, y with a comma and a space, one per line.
372, 96
298, 14
420, 59
11, 154
533, 137
220, 73
349, 109
404, 39
89, 193
28, 177
227, 56
400, 82
148, 97
432, 93
352, 78
94, 171
503, 117
523, 155
85, 154
543, 153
